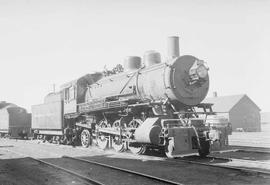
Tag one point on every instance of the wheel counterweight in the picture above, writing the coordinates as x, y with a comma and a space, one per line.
137, 148
117, 144
102, 142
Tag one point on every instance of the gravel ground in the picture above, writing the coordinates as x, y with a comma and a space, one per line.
102, 174
24, 171
14, 164
181, 172
184, 172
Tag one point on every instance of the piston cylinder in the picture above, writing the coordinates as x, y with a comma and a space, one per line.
148, 132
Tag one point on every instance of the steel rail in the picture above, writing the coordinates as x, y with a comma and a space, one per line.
253, 151
242, 169
241, 150
240, 160
126, 170
94, 182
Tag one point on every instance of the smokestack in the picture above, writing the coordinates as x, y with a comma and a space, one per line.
215, 94
173, 47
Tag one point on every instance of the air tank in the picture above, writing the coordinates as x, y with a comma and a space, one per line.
151, 57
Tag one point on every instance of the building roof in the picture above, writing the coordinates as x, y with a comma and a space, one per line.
226, 103
4, 104
10, 107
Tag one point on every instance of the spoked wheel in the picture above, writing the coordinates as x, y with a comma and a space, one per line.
118, 144
135, 123
102, 142
169, 148
137, 148
57, 139
85, 138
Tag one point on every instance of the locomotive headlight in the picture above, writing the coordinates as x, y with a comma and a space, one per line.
202, 71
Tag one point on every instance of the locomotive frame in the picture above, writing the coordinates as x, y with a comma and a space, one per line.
144, 107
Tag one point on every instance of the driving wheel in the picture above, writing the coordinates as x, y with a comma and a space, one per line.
85, 138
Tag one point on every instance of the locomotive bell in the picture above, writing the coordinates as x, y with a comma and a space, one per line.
151, 58
132, 63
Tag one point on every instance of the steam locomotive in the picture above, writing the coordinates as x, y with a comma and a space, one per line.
145, 106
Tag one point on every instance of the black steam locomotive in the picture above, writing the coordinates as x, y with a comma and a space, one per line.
149, 105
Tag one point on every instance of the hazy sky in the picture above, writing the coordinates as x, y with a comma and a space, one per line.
47, 42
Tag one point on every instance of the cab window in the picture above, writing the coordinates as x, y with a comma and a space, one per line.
67, 94
72, 93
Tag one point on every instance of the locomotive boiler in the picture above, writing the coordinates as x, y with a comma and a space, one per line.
149, 105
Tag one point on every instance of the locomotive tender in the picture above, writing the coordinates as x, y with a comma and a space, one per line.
150, 105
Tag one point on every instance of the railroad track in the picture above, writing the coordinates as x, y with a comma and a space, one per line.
175, 161
248, 166
151, 179
154, 179
209, 161
85, 178
253, 151
243, 150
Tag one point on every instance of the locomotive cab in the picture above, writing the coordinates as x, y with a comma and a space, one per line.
74, 92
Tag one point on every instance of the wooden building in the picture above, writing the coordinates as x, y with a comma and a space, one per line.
241, 111
265, 117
